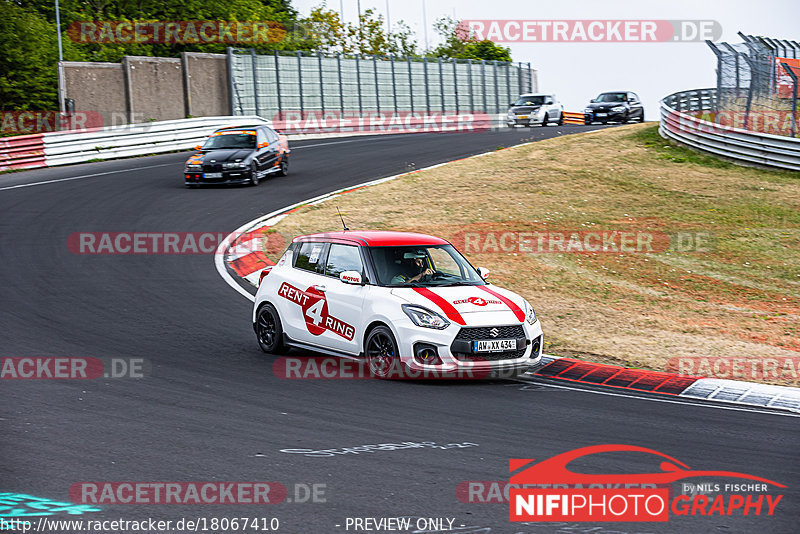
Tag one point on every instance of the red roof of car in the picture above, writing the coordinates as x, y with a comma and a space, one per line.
375, 238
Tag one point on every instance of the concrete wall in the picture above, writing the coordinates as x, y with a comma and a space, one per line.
96, 87
156, 88
142, 89
206, 78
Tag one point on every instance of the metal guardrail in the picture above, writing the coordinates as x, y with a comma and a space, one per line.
64, 148
22, 152
737, 144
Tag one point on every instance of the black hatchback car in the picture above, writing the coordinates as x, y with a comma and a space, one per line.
614, 106
238, 155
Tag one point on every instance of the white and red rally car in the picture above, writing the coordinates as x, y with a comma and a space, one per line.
407, 303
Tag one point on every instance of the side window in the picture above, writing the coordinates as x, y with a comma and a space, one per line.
271, 135
633, 97
262, 138
343, 258
444, 262
312, 257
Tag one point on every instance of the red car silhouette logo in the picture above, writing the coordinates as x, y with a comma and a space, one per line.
555, 471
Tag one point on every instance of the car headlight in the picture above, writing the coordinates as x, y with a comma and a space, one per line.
194, 166
424, 317
510, 114
618, 108
530, 315
233, 165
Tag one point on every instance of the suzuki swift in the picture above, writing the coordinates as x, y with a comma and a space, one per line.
401, 301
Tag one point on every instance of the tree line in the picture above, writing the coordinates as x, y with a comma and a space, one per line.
29, 40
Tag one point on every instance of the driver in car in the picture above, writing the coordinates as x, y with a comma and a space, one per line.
417, 264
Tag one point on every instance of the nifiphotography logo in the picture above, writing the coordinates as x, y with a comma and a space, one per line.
549, 491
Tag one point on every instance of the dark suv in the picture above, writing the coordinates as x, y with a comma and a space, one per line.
614, 106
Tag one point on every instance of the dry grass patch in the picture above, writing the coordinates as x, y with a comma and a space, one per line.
739, 296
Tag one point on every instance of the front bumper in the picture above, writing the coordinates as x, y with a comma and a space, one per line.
458, 360
229, 177
610, 116
532, 120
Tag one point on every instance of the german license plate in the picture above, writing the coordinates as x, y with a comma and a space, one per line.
494, 345
213, 175
602, 114
522, 116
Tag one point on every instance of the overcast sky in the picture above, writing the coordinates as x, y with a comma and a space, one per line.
577, 72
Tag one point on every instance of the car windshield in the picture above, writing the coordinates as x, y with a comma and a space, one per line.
230, 140
530, 101
612, 97
423, 266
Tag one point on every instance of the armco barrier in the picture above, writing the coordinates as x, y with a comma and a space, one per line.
735, 143
23, 152
571, 117
63, 148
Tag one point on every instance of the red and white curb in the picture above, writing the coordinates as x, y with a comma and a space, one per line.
241, 254
670, 384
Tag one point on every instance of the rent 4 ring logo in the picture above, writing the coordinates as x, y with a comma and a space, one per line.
549, 491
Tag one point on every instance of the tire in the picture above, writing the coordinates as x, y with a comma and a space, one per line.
544, 120
253, 174
381, 352
284, 166
560, 119
269, 330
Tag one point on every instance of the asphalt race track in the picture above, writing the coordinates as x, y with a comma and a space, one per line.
212, 410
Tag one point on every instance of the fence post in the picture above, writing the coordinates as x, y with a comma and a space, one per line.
341, 89
300, 80
394, 83
321, 83
410, 85
483, 85
718, 53
529, 77
455, 82
231, 83
508, 81
749, 90
278, 82
735, 53
255, 81
427, 90
496, 94
358, 83
471, 88
377, 91
441, 83
792, 74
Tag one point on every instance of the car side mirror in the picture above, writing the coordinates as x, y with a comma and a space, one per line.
511, 105
484, 272
263, 145
592, 101
198, 147
351, 277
